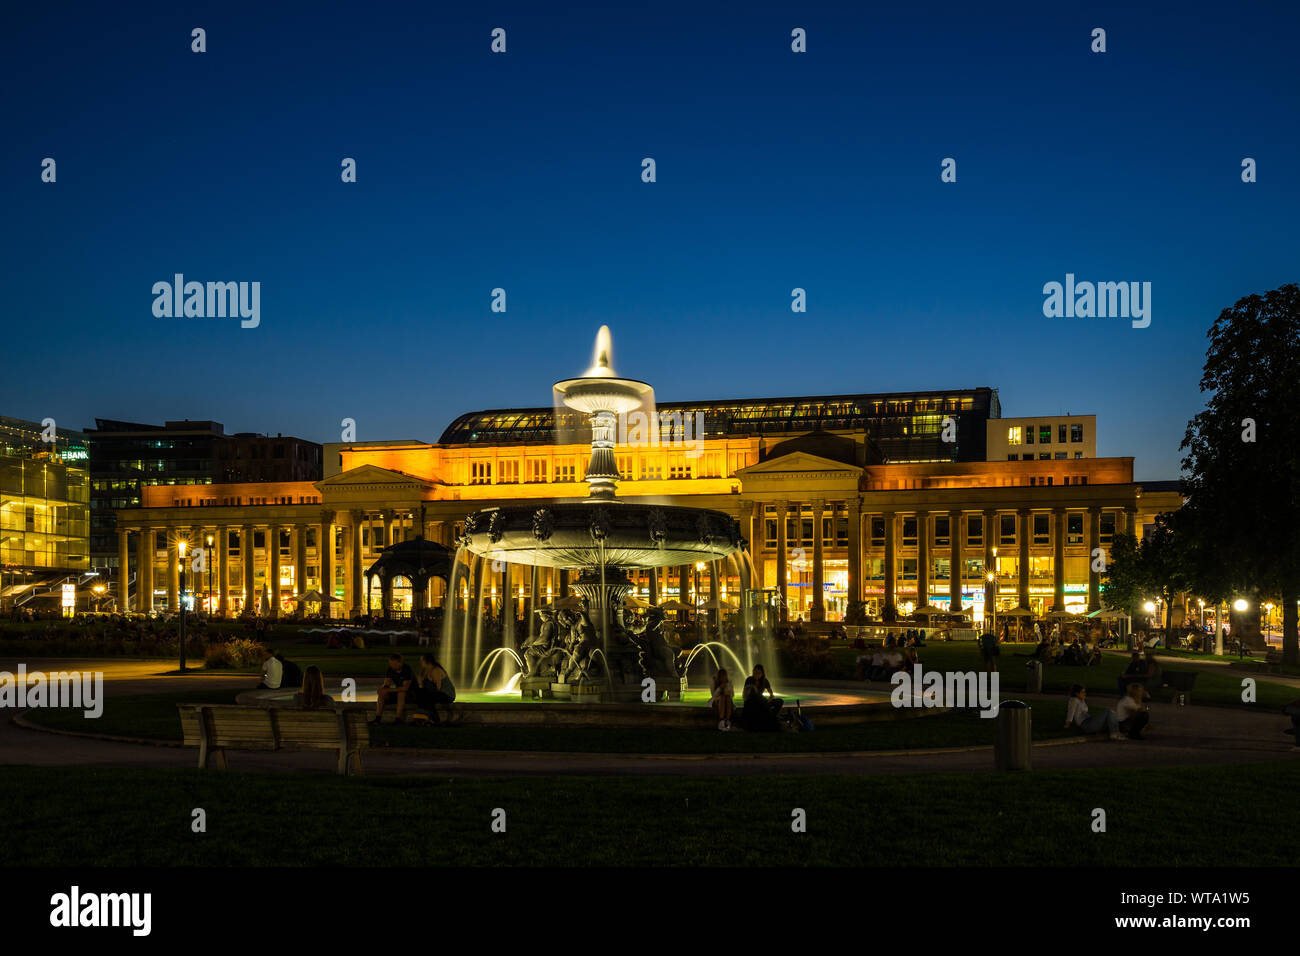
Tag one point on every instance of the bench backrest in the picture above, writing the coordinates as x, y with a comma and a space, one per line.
256, 728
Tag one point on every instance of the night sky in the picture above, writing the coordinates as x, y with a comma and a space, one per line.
522, 171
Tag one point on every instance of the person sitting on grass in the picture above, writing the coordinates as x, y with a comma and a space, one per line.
760, 713
272, 670
722, 698
432, 687
312, 696
1076, 715
1132, 713
397, 682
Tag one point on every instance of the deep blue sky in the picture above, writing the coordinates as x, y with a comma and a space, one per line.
775, 170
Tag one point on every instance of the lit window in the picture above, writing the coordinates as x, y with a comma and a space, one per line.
1015, 435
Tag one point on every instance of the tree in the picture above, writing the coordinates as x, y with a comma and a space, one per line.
1241, 520
1124, 588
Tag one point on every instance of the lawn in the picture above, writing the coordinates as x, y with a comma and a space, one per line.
154, 716
1207, 816
1219, 685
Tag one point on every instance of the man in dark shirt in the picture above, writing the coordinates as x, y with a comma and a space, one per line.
397, 681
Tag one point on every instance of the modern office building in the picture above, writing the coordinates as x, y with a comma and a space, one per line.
1046, 438
842, 499
127, 457
44, 507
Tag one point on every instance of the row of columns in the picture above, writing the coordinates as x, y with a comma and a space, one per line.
955, 517
196, 536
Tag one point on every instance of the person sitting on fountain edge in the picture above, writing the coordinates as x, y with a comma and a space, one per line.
759, 713
397, 680
433, 687
723, 698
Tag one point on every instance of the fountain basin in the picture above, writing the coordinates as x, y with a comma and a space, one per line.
589, 533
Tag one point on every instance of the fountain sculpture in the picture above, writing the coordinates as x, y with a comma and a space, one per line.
594, 651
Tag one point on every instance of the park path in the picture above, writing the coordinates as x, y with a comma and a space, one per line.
1179, 736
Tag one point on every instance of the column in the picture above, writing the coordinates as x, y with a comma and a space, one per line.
223, 570
123, 570
144, 570
325, 559
389, 520
1094, 542
1130, 521
354, 568
891, 566
300, 561
653, 581
990, 562
854, 506
922, 558
758, 536
955, 530
818, 611
173, 571
273, 570
246, 559
1025, 532
781, 508
715, 594
534, 601
1058, 558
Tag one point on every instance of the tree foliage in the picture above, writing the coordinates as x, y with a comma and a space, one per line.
1240, 526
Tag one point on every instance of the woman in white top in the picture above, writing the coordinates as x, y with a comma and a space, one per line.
723, 698
1076, 715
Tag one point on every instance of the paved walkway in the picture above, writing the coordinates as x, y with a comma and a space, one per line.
1178, 736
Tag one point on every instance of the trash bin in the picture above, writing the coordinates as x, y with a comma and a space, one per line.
1034, 682
1011, 749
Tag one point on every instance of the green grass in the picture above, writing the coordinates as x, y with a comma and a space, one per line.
1219, 686
154, 716
77, 817
137, 715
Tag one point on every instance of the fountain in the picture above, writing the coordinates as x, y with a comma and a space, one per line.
593, 652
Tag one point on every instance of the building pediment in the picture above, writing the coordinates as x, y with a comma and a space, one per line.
369, 480
800, 465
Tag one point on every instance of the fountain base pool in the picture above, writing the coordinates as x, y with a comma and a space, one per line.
827, 704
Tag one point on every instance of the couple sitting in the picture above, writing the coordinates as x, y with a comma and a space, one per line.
427, 690
1129, 716
760, 706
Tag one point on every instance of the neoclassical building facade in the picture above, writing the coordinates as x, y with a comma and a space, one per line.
829, 519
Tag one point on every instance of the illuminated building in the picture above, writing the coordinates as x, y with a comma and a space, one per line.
842, 498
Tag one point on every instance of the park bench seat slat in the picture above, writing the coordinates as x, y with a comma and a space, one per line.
214, 728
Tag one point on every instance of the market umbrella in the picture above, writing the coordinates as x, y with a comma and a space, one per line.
675, 605
635, 603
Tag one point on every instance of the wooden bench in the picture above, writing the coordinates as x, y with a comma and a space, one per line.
216, 728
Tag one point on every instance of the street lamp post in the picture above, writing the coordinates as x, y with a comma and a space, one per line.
180, 550
1241, 605
992, 605
209, 576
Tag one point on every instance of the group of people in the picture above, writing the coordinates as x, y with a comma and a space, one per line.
760, 707
881, 663
424, 689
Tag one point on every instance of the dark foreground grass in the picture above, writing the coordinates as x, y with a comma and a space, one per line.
1207, 816
154, 716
